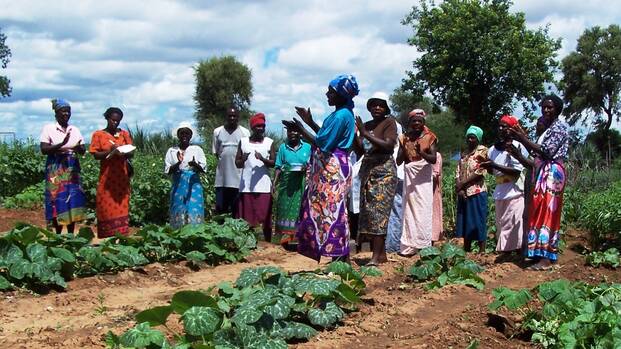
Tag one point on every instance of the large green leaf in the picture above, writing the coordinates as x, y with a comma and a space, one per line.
430, 251
509, 298
249, 277
246, 315
451, 253
4, 283
327, 317
63, 254
296, 330
195, 257
370, 271
37, 252
347, 294
184, 300
20, 269
141, 336
155, 316
11, 253
281, 309
425, 271
201, 321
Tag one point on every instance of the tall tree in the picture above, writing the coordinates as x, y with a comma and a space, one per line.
478, 58
5, 54
591, 81
221, 82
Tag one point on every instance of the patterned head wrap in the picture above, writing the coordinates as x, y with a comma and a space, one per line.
347, 87
510, 120
59, 103
476, 131
417, 112
257, 119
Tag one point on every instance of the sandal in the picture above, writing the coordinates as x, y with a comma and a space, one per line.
371, 264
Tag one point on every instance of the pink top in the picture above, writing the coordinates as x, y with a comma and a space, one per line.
54, 134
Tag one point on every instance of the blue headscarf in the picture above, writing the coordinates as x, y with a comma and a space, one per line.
59, 103
347, 87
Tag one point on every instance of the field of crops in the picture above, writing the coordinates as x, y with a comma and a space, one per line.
215, 286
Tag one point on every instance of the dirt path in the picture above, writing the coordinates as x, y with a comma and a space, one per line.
396, 313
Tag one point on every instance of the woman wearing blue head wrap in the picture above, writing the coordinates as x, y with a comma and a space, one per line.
65, 202
323, 228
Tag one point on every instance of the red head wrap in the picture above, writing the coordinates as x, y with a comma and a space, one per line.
417, 112
257, 119
510, 120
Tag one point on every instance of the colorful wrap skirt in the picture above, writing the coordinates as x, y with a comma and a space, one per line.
187, 205
290, 189
545, 210
378, 184
64, 197
323, 228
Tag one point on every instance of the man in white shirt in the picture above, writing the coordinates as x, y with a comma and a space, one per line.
225, 141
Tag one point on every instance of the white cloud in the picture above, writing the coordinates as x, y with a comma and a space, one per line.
139, 54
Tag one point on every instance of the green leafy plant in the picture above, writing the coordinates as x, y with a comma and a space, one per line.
264, 308
600, 213
567, 314
609, 258
33, 257
446, 266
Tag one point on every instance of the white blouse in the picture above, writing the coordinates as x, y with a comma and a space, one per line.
192, 152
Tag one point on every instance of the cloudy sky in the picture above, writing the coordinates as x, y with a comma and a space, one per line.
139, 55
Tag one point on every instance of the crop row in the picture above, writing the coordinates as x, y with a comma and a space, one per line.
37, 259
265, 308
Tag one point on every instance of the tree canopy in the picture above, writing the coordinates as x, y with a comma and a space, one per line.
221, 82
5, 54
478, 58
592, 78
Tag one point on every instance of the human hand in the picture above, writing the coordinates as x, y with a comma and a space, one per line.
179, 156
486, 164
360, 126
258, 155
66, 139
305, 114
245, 156
461, 194
195, 164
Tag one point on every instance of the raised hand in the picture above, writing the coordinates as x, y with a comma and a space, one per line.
258, 155
245, 156
194, 164
305, 115
360, 126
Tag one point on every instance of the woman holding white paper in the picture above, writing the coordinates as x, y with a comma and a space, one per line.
110, 146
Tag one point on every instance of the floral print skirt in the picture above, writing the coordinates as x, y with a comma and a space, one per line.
323, 228
378, 185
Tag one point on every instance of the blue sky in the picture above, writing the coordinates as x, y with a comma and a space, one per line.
139, 55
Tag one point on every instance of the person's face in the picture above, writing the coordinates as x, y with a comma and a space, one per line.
258, 130
503, 130
333, 97
114, 120
472, 141
184, 135
548, 110
63, 115
377, 109
293, 135
232, 117
417, 123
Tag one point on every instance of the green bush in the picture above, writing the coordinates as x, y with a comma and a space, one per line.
21, 165
600, 213
22, 177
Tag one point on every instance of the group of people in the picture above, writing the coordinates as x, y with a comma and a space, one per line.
65, 201
347, 179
